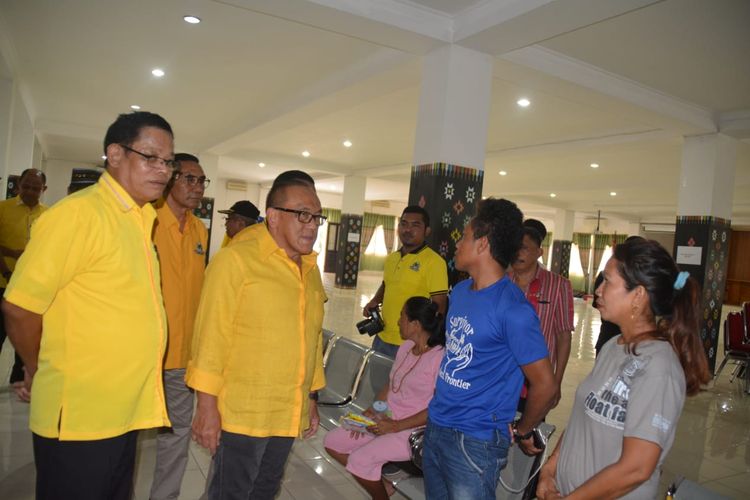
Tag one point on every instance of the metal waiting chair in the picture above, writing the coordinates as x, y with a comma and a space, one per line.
374, 376
344, 363
736, 349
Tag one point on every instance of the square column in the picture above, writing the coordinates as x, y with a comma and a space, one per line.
451, 142
350, 232
702, 233
563, 242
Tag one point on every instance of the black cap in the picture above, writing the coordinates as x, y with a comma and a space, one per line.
535, 229
243, 208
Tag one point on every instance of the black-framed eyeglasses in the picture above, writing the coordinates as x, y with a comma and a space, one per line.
153, 161
304, 216
193, 180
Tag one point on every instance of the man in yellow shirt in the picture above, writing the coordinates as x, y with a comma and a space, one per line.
413, 270
181, 240
17, 214
84, 310
257, 360
239, 217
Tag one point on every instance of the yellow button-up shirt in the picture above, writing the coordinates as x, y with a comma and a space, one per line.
182, 260
15, 227
91, 271
258, 337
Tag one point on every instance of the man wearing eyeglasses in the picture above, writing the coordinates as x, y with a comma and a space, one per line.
84, 310
256, 360
181, 241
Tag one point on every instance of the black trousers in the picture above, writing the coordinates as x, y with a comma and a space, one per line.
85, 470
248, 467
16, 374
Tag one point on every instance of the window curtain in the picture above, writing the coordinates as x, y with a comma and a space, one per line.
389, 228
601, 241
369, 222
333, 215
545, 249
583, 241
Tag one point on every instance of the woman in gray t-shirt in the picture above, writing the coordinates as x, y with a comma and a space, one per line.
626, 411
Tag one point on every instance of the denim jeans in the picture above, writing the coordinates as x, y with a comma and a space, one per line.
457, 466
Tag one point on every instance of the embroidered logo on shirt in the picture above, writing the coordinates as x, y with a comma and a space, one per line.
199, 249
414, 267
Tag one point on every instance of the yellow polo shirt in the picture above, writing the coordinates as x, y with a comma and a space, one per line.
91, 271
182, 260
258, 337
15, 227
422, 273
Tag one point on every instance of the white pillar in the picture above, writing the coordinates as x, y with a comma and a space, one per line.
564, 223
454, 107
707, 177
353, 200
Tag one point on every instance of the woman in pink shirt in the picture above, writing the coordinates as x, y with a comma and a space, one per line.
408, 392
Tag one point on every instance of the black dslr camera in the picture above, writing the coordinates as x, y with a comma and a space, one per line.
372, 325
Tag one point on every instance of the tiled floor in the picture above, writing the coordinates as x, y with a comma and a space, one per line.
712, 445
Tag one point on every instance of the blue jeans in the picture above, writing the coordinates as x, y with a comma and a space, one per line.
383, 347
457, 466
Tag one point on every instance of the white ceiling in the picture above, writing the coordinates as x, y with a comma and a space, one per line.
618, 82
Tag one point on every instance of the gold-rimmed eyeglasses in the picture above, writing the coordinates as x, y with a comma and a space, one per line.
153, 161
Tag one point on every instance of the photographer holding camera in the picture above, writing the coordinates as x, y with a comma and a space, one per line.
413, 270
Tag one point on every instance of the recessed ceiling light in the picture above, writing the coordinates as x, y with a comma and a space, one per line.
612, 193
503, 172
552, 195
157, 72
594, 165
523, 102
305, 153
262, 165
192, 19
347, 143
135, 107
104, 157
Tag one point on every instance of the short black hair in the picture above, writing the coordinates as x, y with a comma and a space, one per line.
502, 222
185, 157
535, 230
284, 180
30, 170
416, 209
127, 127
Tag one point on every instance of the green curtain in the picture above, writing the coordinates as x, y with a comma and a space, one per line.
369, 222
333, 215
545, 248
619, 238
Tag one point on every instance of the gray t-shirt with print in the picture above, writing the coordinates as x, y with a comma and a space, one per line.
625, 395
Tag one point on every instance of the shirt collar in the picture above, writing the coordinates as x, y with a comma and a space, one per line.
268, 247
415, 251
117, 193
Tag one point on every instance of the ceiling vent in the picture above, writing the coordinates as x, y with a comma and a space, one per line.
233, 185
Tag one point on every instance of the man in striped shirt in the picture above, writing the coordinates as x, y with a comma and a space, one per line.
552, 298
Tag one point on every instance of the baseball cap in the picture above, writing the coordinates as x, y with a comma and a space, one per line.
243, 208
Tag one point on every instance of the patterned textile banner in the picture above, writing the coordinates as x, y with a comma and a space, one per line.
701, 247
450, 194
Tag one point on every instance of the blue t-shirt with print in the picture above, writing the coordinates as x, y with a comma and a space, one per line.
490, 334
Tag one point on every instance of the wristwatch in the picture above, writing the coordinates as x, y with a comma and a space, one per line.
517, 436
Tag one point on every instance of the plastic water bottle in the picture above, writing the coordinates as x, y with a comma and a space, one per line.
381, 409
